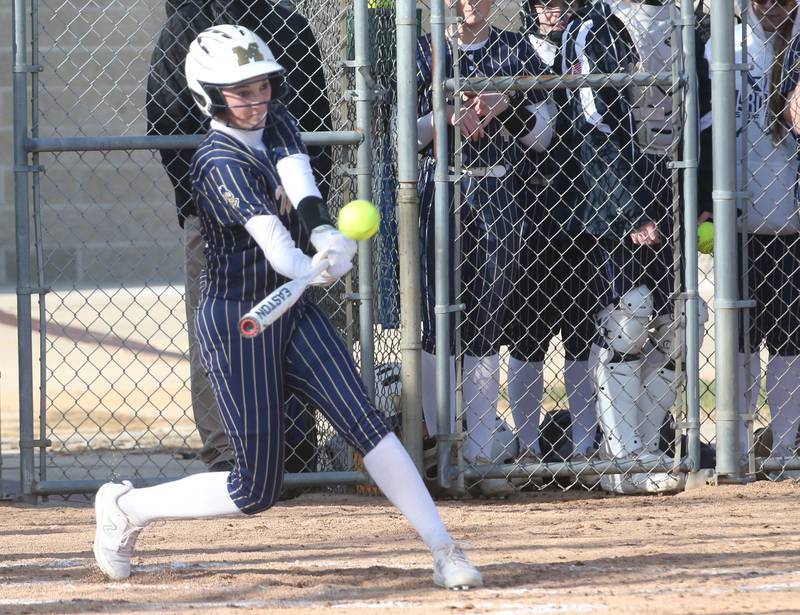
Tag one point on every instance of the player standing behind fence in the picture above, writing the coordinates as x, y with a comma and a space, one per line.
623, 140
171, 110
772, 218
252, 247
490, 123
561, 283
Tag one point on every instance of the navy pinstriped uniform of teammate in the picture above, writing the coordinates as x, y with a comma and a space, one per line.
490, 215
561, 284
254, 243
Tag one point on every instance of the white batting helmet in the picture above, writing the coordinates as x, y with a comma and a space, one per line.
222, 56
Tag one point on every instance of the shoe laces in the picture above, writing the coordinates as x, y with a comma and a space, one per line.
128, 538
454, 552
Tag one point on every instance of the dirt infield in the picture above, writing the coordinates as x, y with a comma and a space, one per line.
733, 549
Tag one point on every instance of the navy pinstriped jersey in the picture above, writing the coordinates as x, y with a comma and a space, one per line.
282, 134
232, 183
602, 120
504, 54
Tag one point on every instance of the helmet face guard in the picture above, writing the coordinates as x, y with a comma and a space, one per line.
530, 18
223, 56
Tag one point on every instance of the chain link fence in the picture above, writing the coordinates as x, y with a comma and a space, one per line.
553, 269
564, 216
767, 226
110, 325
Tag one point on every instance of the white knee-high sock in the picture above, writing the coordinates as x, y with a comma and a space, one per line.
428, 364
748, 382
525, 391
481, 394
199, 495
783, 395
396, 475
580, 393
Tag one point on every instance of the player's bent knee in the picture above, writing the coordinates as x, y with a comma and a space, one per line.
624, 324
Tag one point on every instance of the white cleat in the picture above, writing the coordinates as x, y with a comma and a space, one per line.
115, 536
453, 570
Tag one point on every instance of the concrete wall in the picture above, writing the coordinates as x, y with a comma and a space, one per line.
106, 218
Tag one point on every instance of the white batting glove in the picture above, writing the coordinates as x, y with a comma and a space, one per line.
325, 237
339, 265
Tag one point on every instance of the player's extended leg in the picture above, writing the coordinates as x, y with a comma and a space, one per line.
319, 368
250, 395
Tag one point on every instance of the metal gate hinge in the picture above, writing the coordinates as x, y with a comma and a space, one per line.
358, 296
28, 68
41, 443
446, 309
29, 168
736, 304
682, 164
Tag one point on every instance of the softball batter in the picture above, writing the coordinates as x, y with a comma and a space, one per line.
254, 243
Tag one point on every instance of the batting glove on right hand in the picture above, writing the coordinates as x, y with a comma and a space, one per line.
325, 237
338, 265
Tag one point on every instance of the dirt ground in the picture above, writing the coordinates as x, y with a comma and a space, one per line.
729, 549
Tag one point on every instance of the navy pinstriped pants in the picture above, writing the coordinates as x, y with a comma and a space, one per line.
489, 245
301, 353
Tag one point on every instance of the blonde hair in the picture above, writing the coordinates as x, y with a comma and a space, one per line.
777, 101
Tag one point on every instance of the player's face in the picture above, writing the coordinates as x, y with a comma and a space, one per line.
248, 103
772, 13
553, 15
475, 13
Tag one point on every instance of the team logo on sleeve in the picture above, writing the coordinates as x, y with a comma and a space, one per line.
228, 196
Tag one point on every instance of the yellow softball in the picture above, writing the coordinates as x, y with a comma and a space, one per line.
359, 220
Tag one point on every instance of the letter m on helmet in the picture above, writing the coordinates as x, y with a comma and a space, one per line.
252, 53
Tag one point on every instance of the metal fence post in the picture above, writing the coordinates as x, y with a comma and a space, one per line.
365, 94
23, 242
408, 228
442, 250
726, 303
691, 151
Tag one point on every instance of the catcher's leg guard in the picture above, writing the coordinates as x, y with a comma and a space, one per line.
660, 380
619, 388
661, 384
618, 372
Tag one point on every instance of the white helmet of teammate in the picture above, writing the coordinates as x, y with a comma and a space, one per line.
222, 56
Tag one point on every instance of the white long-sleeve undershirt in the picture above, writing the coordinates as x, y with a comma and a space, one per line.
278, 246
